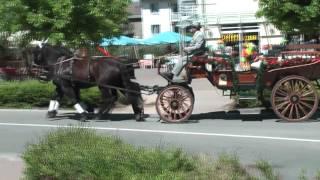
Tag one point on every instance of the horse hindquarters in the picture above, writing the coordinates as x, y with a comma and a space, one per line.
109, 97
136, 101
134, 94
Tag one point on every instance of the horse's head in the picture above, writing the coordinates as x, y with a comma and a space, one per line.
45, 55
32, 55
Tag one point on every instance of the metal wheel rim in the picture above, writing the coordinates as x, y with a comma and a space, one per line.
294, 99
175, 104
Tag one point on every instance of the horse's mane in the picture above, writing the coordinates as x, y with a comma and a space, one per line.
63, 51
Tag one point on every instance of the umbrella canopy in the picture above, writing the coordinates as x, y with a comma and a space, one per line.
120, 41
166, 38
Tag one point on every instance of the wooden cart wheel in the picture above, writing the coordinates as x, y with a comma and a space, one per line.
294, 99
175, 104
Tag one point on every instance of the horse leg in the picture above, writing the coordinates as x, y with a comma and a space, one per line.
136, 101
54, 103
73, 94
109, 97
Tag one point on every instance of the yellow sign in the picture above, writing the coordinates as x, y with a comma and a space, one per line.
236, 37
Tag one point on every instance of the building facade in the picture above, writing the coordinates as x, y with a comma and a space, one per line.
134, 26
233, 21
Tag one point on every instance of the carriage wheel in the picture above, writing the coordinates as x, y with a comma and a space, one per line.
294, 98
175, 104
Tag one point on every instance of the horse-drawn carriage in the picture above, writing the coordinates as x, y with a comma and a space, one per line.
289, 77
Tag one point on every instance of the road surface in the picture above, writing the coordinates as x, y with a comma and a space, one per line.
213, 129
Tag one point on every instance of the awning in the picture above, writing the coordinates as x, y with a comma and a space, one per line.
120, 41
166, 38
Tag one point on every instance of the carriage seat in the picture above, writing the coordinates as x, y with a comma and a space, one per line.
199, 58
81, 53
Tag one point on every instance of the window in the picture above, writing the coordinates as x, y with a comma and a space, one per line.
155, 29
154, 7
176, 29
174, 7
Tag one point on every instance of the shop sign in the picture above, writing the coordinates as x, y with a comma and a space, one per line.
236, 37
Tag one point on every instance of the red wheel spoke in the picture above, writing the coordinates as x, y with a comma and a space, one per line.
291, 111
286, 109
279, 106
302, 109
297, 111
280, 99
307, 99
307, 93
281, 92
304, 86
306, 104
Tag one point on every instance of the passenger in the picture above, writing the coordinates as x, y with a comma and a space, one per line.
196, 47
258, 61
248, 54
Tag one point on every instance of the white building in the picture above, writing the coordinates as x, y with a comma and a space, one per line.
230, 20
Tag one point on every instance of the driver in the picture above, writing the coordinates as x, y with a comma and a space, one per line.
196, 47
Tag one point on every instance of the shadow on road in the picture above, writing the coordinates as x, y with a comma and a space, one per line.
195, 118
265, 114
92, 117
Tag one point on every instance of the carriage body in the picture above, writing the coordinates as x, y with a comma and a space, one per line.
289, 77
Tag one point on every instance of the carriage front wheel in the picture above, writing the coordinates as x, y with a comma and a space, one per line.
175, 104
294, 98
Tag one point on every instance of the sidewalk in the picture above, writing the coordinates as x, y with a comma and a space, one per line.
11, 167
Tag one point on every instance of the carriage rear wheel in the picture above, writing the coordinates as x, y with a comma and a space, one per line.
294, 99
175, 104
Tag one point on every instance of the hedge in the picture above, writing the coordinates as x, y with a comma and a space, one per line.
80, 153
34, 94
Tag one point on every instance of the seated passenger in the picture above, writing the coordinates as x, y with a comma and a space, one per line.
258, 61
248, 53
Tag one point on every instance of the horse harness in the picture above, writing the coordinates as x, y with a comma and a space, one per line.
76, 68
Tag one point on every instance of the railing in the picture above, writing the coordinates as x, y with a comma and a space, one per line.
215, 19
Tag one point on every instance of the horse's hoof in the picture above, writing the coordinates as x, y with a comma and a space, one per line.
90, 109
139, 118
52, 114
84, 117
104, 116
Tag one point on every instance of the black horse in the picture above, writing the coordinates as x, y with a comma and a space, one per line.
70, 72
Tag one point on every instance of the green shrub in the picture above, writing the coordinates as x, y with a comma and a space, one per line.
76, 153
32, 93
79, 153
266, 169
25, 94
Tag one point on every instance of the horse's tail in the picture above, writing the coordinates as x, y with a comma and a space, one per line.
126, 74
134, 93
130, 70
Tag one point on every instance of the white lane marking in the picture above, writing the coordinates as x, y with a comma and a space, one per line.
166, 132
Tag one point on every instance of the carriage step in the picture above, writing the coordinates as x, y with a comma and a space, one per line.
249, 111
228, 93
247, 98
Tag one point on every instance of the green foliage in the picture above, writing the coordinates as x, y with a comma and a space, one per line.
292, 16
267, 171
229, 167
32, 93
80, 153
318, 175
64, 21
25, 94
76, 153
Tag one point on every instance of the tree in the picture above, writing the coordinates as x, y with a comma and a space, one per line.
75, 22
292, 16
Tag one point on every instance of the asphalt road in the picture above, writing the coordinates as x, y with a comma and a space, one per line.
213, 129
